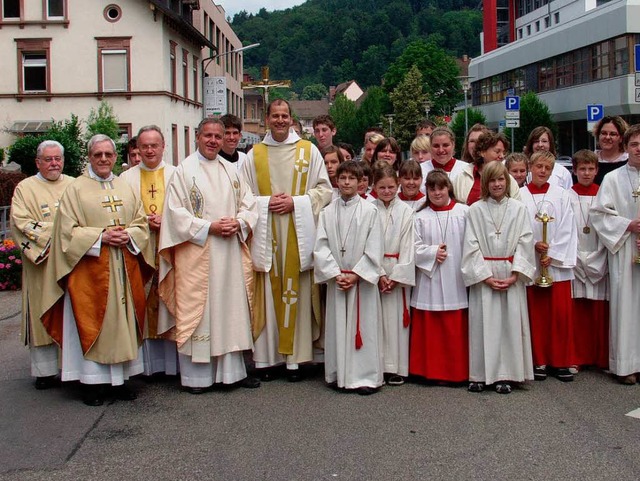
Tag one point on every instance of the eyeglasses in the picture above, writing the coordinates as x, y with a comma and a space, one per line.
145, 147
48, 160
609, 134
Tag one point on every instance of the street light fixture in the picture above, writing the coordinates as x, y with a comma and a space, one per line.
465, 81
427, 107
206, 61
390, 119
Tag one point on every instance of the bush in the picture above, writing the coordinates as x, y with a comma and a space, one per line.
8, 182
23, 152
10, 266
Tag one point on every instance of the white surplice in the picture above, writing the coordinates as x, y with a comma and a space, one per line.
561, 232
159, 355
399, 266
429, 165
306, 210
611, 213
592, 270
499, 336
200, 192
439, 287
349, 238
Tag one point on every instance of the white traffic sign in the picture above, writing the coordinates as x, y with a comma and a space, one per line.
513, 123
512, 114
637, 95
637, 79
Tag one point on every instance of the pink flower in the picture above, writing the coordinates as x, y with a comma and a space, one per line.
1, 266
7, 266
12, 258
18, 261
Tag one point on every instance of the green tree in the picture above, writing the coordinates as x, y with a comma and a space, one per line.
439, 72
67, 132
475, 116
408, 105
314, 92
375, 104
103, 121
533, 113
345, 115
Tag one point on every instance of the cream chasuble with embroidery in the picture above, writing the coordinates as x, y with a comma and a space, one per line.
202, 276
33, 208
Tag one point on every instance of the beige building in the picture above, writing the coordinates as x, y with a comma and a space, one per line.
143, 56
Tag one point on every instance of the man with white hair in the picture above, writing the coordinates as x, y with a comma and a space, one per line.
33, 208
93, 294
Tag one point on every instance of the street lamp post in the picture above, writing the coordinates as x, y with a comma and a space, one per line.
390, 119
205, 63
465, 81
427, 107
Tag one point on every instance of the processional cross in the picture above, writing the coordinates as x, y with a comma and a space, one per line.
265, 84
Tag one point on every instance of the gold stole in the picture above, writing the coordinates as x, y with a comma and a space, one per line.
152, 192
285, 285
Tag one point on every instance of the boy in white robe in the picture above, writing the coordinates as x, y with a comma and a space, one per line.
590, 288
616, 219
348, 256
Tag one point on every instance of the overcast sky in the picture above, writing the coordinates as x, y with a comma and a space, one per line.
231, 7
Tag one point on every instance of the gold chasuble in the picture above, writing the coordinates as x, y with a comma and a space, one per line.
285, 284
33, 208
152, 190
106, 290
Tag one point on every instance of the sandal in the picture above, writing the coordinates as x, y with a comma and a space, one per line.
503, 388
540, 373
476, 387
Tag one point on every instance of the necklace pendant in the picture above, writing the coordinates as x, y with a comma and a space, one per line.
635, 195
342, 251
586, 229
498, 232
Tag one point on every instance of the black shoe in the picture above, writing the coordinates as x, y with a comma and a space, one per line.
250, 382
475, 387
333, 385
266, 374
124, 393
366, 391
93, 395
563, 374
540, 373
195, 390
46, 382
294, 375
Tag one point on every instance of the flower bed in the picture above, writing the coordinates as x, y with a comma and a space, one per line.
10, 266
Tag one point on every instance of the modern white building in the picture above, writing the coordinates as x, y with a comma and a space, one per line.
62, 57
570, 52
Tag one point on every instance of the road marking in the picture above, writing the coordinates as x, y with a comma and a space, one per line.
634, 414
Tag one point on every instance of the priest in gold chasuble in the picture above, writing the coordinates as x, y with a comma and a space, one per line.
93, 297
288, 176
33, 207
149, 180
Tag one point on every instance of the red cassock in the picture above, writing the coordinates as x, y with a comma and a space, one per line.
552, 324
439, 345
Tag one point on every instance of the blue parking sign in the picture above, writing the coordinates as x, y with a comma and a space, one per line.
595, 112
512, 102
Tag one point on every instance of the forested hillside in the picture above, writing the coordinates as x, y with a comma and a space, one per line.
331, 41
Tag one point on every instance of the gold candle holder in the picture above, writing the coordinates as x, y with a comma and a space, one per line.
544, 280
636, 259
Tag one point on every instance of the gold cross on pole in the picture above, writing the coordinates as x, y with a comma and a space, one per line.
265, 84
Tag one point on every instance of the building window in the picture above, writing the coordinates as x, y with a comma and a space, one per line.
519, 33
187, 142
195, 78
34, 69
55, 9
114, 69
537, 25
112, 13
11, 9
185, 73
556, 18
528, 30
547, 22
172, 66
174, 144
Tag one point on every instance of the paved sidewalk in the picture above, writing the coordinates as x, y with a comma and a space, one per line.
305, 431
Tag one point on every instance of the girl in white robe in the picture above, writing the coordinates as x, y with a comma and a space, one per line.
396, 219
439, 341
498, 259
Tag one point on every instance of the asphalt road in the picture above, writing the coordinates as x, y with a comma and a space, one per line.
305, 431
